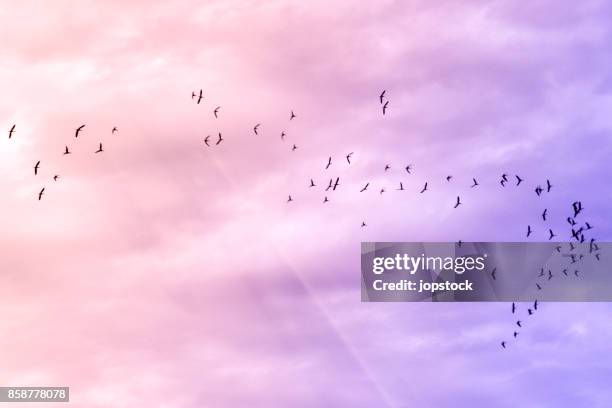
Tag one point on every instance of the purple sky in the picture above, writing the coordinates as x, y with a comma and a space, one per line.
164, 273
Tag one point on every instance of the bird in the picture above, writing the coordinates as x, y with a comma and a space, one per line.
331, 182
66, 151
577, 206
424, 188
535, 305
289, 199
548, 186
78, 130
550, 274
503, 344
11, 131
528, 230
294, 148
408, 168
220, 139
382, 190
504, 177
200, 97
448, 178
538, 190
312, 184
518, 323
114, 130
515, 334
552, 234
283, 135
571, 221
55, 178
292, 116
588, 226
576, 272
530, 312
384, 108
401, 187
538, 286
325, 200
382, 95
328, 163
387, 167
493, 273
216, 111
544, 214
597, 256
364, 188
348, 157
475, 183
100, 150
363, 224
541, 272
565, 272
193, 94
458, 203
40, 194
36, 167
255, 128
503, 182
518, 180
206, 139
337, 183
513, 308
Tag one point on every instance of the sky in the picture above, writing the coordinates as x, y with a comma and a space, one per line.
166, 273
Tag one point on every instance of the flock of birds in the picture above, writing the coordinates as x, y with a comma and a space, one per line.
66, 152
578, 230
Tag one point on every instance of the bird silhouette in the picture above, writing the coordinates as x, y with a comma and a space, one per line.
289, 199
474, 184
36, 167
55, 178
78, 130
458, 203
544, 214
518, 180
448, 178
100, 150
206, 139
200, 97
384, 108
292, 116
548, 186
382, 95
114, 130
518, 323
364, 188
401, 187
312, 184
328, 163
387, 167
538, 190
363, 224
283, 135
40, 194
325, 200
336, 184
528, 230
66, 151
493, 273
503, 344
515, 334
408, 168
513, 308
11, 131
552, 235
535, 305
256, 127
294, 148
348, 157
424, 188
216, 111
220, 139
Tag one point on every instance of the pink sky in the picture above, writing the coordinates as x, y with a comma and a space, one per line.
162, 273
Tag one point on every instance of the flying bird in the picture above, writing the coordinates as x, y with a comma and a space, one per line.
11, 131
78, 130
458, 203
529, 312
348, 157
289, 199
382, 190
55, 178
294, 148
513, 308
200, 97
493, 273
114, 130
475, 183
382, 95
538, 286
337, 183
518, 180
40, 194
328, 163
401, 187
387, 167
216, 111
515, 334
503, 344
538, 190
363, 224
424, 188
66, 151
220, 139
100, 150
518, 323
36, 167
544, 214
548, 186
448, 178
283, 135
408, 168
312, 184
206, 139
255, 128
384, 108
552, 235
364, 188
325, 200
535, 305
292, 116
528, 230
